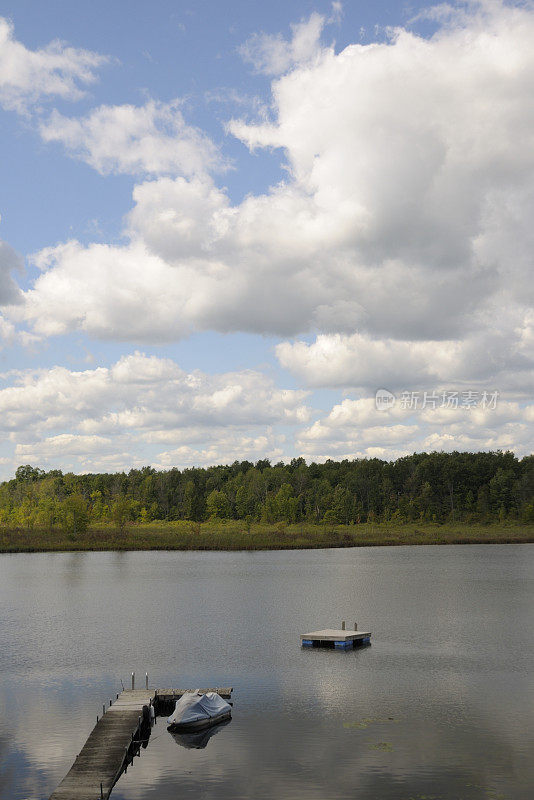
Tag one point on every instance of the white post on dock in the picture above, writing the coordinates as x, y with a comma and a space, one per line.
343, 625
146, 680
133, 680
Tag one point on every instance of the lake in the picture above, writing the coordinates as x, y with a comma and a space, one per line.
439, 706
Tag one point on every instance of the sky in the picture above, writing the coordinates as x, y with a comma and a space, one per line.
225, 226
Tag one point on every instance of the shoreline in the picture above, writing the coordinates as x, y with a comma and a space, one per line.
232, 535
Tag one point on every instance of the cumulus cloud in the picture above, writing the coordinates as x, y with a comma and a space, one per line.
356, 429
405, 215
151, 139
28, 76
144, 407
504, 357
125, 293
224, 449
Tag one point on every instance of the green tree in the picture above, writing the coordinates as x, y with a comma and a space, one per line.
73, 514
218, 505
285, 504
28, 473
342, 505
46, 512
122, 512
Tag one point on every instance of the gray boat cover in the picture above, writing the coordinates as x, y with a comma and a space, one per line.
193, 707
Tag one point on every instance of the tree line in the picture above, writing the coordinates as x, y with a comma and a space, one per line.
429, 487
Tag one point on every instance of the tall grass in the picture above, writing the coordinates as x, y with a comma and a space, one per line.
233, 535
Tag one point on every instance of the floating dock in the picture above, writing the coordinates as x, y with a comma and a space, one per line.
338, 639
113, 742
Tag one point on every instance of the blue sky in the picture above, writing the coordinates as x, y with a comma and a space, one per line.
227, 224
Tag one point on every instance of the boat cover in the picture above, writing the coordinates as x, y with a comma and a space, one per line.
193, 707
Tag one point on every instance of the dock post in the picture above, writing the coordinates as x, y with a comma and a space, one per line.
101, 792
343, 625
355, 627
103, 709
146, 680
133, 680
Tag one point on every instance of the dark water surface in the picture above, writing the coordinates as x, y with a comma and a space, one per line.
440, 706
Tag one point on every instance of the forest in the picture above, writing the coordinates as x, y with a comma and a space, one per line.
426, 487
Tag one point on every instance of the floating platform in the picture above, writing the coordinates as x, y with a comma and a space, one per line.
337, 639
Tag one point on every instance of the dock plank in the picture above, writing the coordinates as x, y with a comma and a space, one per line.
168, 694
102, 757
333, 635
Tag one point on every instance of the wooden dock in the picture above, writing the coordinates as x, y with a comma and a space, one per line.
171, 695
338, 639
113, 742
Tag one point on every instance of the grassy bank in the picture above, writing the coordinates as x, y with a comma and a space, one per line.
233, 535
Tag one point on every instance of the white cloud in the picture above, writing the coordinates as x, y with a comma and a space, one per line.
123, 293
9, 291
274, 55
144, 393
337, 11
9, 261
225, 449
140, 406
501, 358
356, 429
151, 139
62, 446
7, 330
401, 218
28, 76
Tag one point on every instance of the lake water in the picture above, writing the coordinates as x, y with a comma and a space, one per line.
439, 706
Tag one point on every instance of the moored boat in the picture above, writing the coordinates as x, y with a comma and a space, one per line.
194, 710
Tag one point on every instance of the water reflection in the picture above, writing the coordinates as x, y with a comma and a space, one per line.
139, 741
200, 739
5, 772
390, 760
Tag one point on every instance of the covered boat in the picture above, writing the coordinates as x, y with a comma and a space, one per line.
194, 710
